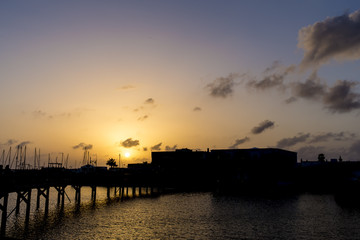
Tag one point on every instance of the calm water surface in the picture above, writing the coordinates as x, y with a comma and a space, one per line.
191, 216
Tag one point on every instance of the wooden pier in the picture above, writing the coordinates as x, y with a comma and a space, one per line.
23, 182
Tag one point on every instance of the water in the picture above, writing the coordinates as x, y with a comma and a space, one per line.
192, 216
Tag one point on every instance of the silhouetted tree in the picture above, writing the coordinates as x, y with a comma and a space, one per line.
111, 162
321, 157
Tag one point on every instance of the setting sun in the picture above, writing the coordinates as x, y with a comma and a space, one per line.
127, 154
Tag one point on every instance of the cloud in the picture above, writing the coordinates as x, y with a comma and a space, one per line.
274, 76
149, 101
340, 98
267, 124
334, 38
24, 143
239, 142
39, 114
127, 87
324, 137
223, 87
288, 142
128, 143
290, 100
83, 146
10, 142
168, 148
145, 149
197, 109
142, 118
354, 151
156, 147
311, 89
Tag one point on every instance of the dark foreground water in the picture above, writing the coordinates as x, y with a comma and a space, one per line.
193, 216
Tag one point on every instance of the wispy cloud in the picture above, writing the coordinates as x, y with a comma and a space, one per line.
333, 38
197, 109
143, 118
168, 148
330, 136
156, 147
222, 87
274, 77
239, 142
128, 143
288, 142
267, 124
149, 101
127, 87
83, 146
9, 142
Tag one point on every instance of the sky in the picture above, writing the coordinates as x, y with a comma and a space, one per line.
125, 78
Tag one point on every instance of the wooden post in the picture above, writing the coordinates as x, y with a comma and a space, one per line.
108, 192
28, 205
61, 195
42, 192
3, 208
17, 210
93, 193
77, 194
47, 196
39, 191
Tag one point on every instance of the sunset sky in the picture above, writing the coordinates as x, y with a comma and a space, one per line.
131, 77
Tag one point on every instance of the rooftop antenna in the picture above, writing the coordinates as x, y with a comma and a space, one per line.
35, 159
39, 158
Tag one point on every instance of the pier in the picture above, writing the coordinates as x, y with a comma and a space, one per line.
25, 182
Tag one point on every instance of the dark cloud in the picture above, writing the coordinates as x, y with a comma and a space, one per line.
340, 98
145, 149
290, 100
288, 142
239, 142
83, 146
197, 109
274, 77
168, 148
156, 147
354, 151
324, 137
222, 87
149, 101
142, 118
311, 89
24, 143
262, 127
128, 143
334, 38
